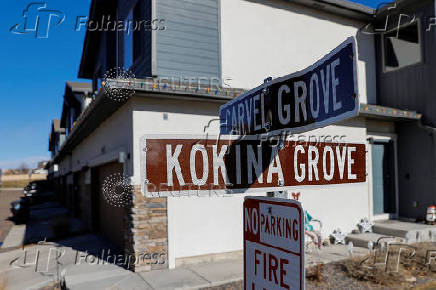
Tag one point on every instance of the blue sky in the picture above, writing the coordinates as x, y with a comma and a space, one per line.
371, 3
33, 79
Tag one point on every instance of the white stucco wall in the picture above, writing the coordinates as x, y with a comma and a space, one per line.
115, 134
65, 165
203, 225
258, 40
184, 117
339, 206
196, 226
276, 38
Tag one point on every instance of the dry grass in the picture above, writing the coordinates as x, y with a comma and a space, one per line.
23, 177
428, 286
315, 273
14, 183
409, 268
51, 286
19, 180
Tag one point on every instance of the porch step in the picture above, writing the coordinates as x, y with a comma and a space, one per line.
412, 232
361, 240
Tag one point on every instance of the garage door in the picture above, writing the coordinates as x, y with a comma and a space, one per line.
111, 219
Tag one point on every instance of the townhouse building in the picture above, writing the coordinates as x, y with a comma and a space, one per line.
196, 56
405, 70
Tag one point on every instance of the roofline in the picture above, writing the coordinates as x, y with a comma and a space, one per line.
352, 6
336, 7
397, 3
340, 7
76, 87
103, 107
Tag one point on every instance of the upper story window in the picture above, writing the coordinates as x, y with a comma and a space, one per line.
132, 34
128, 43
402, 47
70, 121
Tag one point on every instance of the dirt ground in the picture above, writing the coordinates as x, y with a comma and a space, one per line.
380, 270
413, 272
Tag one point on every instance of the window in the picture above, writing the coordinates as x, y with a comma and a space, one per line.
402, 47
132, 34
128, 43
72, 118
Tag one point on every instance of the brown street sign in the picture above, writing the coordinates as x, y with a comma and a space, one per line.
191, 165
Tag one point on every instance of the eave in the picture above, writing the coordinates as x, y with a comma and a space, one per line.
377, 112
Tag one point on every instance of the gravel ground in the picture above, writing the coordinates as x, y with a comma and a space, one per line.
338, 279
360, 273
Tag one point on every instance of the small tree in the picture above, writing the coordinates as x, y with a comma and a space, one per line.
23, 168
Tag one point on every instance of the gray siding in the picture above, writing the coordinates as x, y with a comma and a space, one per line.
412, 87
190, 45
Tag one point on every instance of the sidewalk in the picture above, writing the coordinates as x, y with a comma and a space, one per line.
90, 275
15, 237
20, 274
34, 266
196, 276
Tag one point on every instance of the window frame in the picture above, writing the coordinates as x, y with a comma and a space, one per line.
417, 22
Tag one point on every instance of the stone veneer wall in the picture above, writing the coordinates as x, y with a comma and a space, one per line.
146, 234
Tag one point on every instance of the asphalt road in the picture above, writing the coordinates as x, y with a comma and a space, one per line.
6, 197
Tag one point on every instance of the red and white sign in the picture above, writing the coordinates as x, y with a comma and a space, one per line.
273, 244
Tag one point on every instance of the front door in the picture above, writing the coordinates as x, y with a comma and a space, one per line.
383, 177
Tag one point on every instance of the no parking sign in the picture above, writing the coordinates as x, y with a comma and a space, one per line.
273, 244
